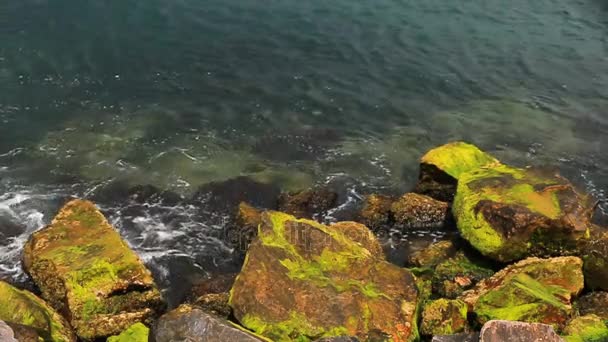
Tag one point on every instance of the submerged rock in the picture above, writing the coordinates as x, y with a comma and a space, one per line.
304, 280
588, 328
457, 274
508, 213
22, 307
188, 323
444, 317
136, 333
376, 211
440, 168
501, 331
6, 333
533, 290
309, 204
87, 272
223, 197
419, 212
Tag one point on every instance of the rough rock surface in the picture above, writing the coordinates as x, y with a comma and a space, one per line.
6, 333
444, 317
24, 333
23, 307
304, 280
433, 255
594, 303
191, 324
419, 212
501, 331
457, 274
376, 211
589, 328
136, 333
88, 273
508, 213
247, 221
215, 303
308, 203
533, 290
440, 168
462, 337
594, 253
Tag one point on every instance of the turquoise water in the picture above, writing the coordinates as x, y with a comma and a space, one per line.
178, 94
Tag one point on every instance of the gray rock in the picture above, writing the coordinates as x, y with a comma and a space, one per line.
463, 337
503, 331
191, 324
338, 339
6, 333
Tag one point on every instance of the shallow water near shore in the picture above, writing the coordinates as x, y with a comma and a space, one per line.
181, 94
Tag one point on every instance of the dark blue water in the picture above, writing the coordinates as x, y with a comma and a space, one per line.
182, 93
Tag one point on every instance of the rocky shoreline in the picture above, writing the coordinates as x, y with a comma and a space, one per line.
522, 261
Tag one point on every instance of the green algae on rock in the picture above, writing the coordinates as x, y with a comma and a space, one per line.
303, 280
508, 213
444, 317
441, 168
136, 333
533, 290
24, 308
87, 272
457, 274
588, 328
433, 255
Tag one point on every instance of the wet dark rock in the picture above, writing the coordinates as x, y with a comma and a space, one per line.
23, 333
501, 331
9, 228
225, 196
594, 303
215, 303
121, 192
457, 274
218, 283
311, 203
188, 323
6, 333
463, 337
247, 221
419, 212
594, 253
376, 211
433, 255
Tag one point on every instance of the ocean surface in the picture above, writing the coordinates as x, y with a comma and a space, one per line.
97, 97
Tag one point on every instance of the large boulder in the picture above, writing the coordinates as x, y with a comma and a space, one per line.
501, 331
441, 167
533, 290
188, 323
24, 308
87, 272
303, 280
508, 213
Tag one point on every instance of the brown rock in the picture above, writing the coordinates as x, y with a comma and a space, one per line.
305, 280
215, 303
218, 283
434, 254
247, 221
594, 303
419, 212
23, 333
376, 211
501, 331
308, 203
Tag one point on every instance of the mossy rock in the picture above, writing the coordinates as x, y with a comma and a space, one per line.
303, 281
433, 255
441, 168
87, 272
594, 253
444, 317
24, 308
588, 328
508, 213
533, 290
136, 333
594, 303
376, 211
457, 274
